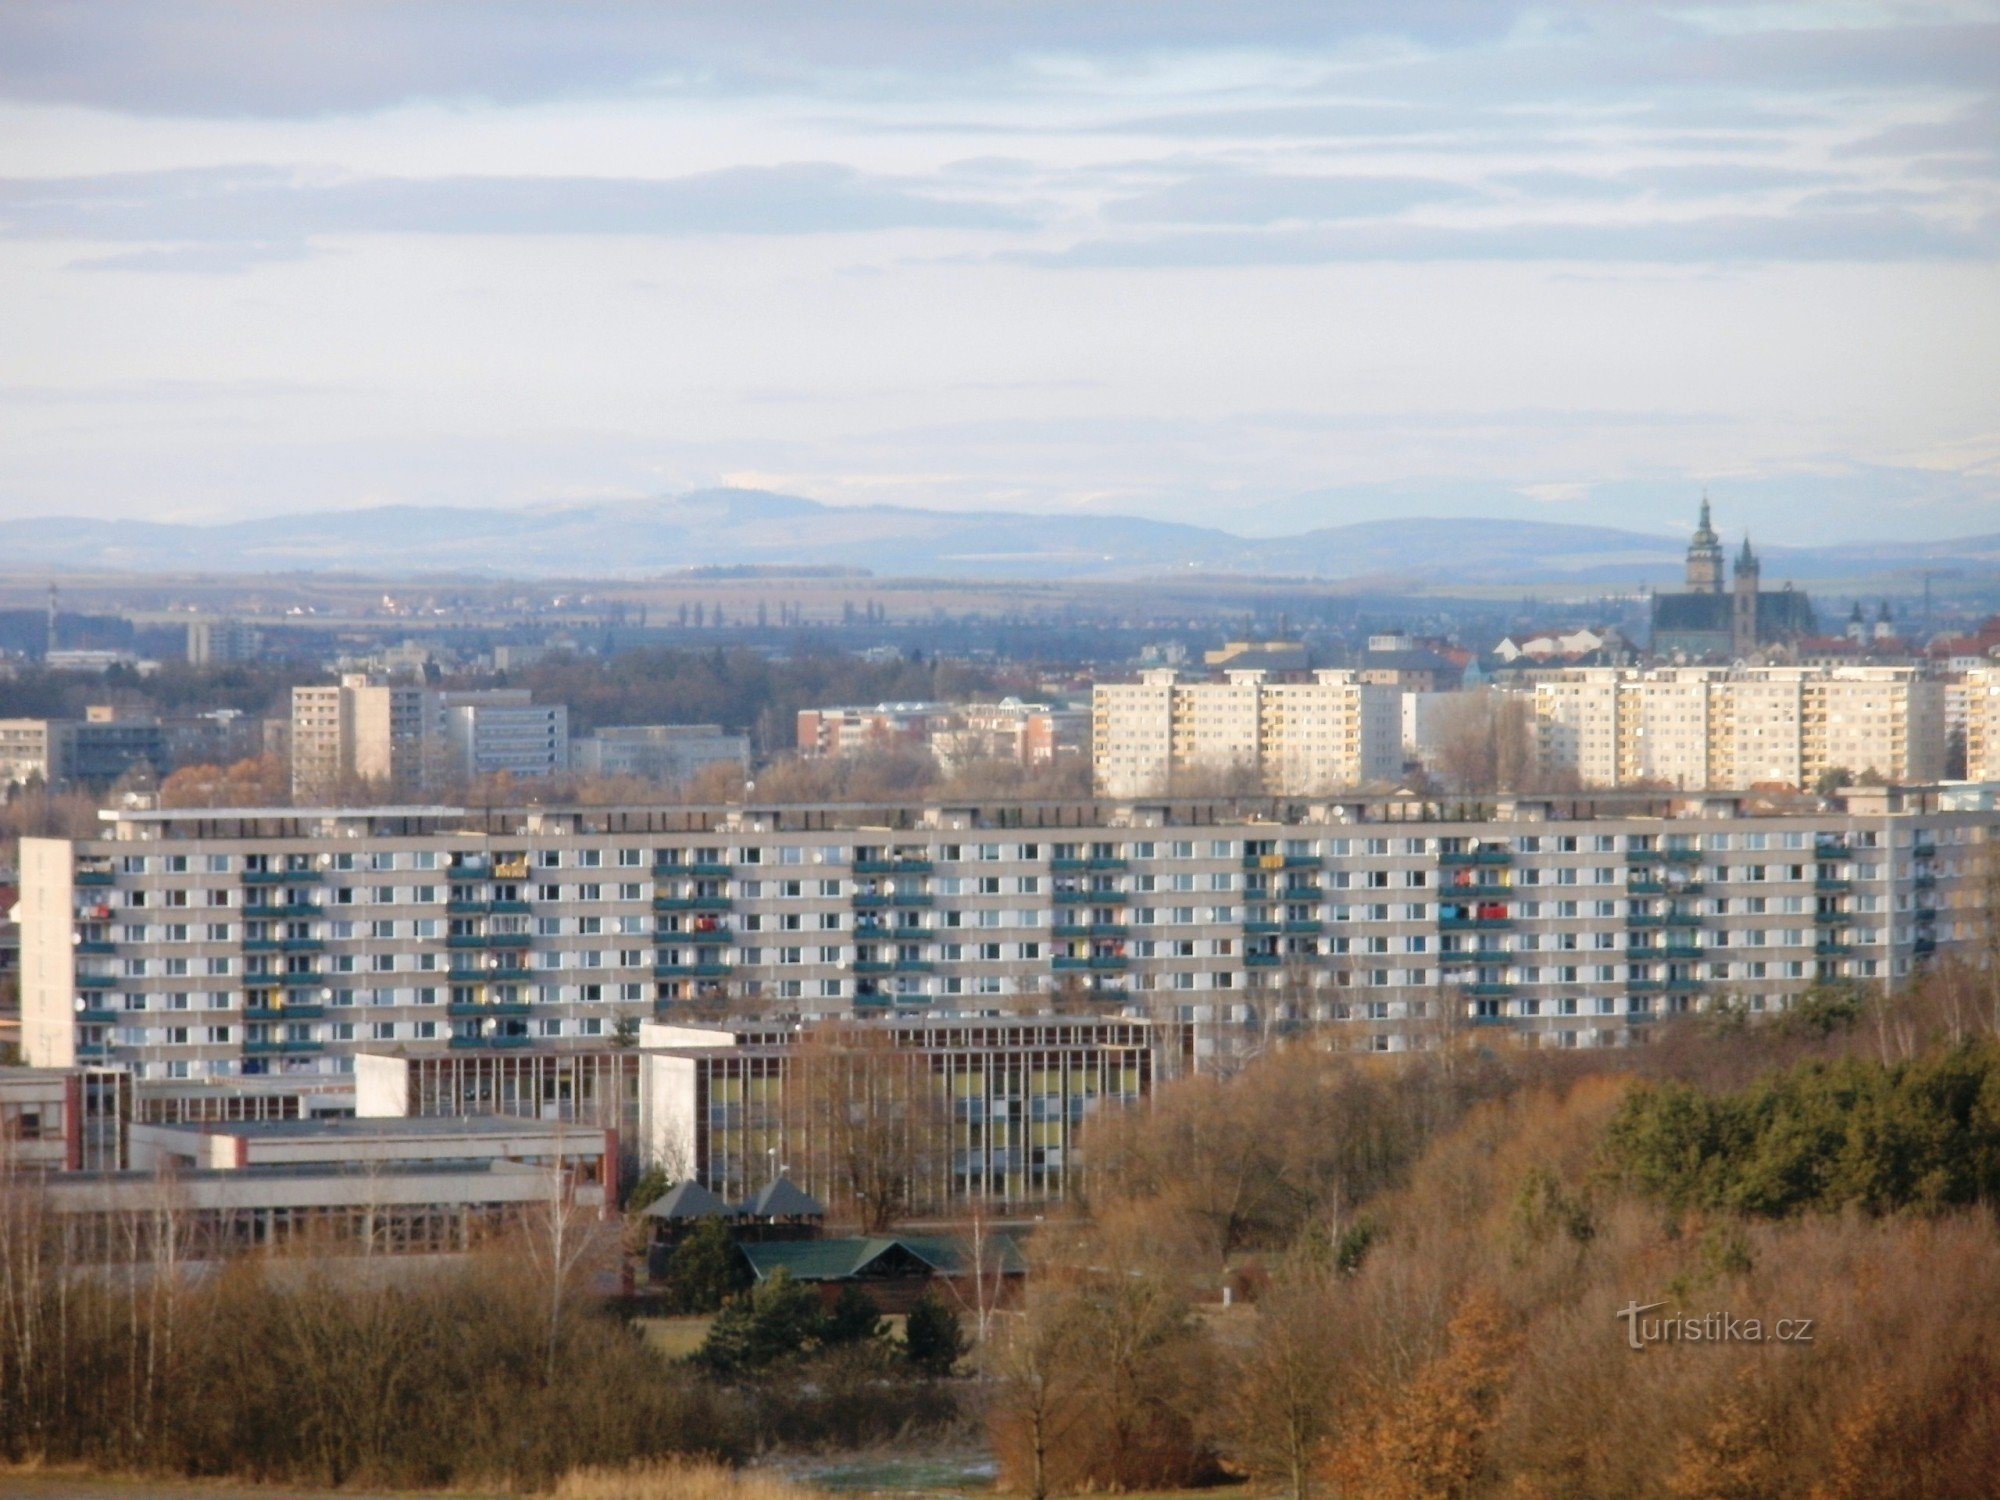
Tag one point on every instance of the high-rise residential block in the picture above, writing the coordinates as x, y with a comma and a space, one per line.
1160, 733
205, 943
1696, 727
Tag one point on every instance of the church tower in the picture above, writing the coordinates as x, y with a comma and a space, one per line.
1743, 614
1704, 566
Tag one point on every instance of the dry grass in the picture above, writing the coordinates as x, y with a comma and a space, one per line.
677, 1479
674, 1338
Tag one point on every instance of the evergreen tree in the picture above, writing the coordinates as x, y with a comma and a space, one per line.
932, 1338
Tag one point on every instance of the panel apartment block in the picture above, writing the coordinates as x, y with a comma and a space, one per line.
216, 944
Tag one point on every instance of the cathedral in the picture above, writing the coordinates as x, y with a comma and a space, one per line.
1709, 620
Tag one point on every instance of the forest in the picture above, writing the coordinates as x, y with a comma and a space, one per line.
1327, 1274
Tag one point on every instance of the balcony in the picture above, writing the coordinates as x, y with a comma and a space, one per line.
1475, 956
1924, 947
691, 971
97, 1015
893, 898
693, 903
914, 966
1115, 963
873, 967
287, 1047
463, 1010
282, 911
465, 940
1645, 886
1644, 919
1645, 986
1832, 918
892, 867
1827, 849
305, 1010
1091, 930
1475, 924
1827, 886
92, 1051
1828, 948
1682, 919
508, 908
300, 978
95, 981
1482, 856
1261, 960
1685, 986
94, 948
94, 877
1484, 990
282, 877
1923, 850
1282, 862
1479, 890
1304, 929
1680, 951
1263, 929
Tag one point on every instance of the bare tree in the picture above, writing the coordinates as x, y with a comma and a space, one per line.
871, 1118
1279, 1409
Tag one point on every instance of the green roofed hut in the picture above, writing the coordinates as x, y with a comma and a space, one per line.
895, 1270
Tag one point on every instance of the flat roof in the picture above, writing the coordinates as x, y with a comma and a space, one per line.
384, 1127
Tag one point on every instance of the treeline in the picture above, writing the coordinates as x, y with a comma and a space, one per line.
282, 1371
742, 690
177, 688
1429, 1268
1922, 1134
502, 1370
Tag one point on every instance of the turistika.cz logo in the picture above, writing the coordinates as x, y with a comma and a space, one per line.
1709, 1328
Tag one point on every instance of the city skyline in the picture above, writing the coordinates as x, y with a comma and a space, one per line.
1289, 269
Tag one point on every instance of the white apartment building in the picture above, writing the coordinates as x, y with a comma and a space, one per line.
414, 739
217, 944
1982, 724
1333, 733
1711, 727
503, 731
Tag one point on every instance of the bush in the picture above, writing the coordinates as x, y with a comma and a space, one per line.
932, 1338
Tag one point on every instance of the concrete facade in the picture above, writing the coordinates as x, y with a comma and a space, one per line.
219, 943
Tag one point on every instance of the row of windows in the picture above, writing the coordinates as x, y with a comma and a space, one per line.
476, 864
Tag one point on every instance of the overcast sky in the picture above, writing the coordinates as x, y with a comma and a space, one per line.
1259, 265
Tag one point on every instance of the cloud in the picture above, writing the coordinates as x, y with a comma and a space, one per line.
263, 205
194, 260
1880, 235
1220, 197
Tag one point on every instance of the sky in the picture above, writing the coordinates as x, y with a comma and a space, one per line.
1256, 264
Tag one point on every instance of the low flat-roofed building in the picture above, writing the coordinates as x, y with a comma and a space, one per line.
370, 1145
332, 1208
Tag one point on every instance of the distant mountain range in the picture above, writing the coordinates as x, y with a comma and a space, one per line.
729, 527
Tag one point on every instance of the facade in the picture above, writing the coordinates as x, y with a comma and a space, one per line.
356, 730
1710, 621
1982, 724
588, 1158
1027, 734
659, 752
393, 1208
95, 751
1734, 729
214, 944
212, 642
1290, 738
992, 1105
413, 739
30, 750
503, 732
861, 731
